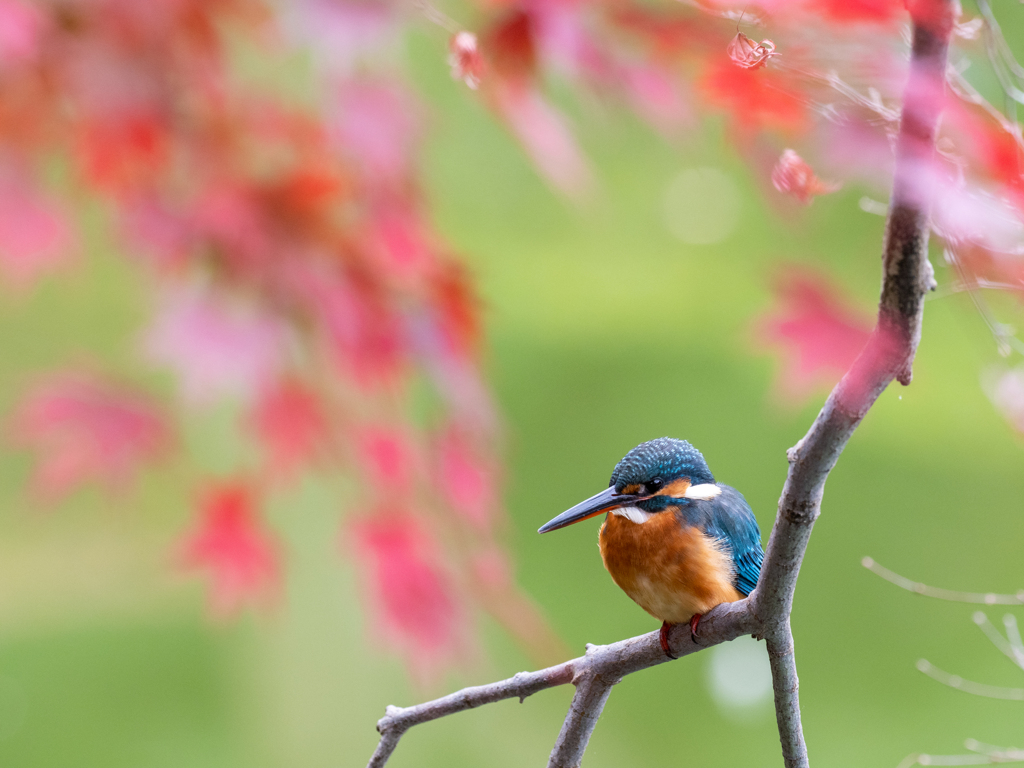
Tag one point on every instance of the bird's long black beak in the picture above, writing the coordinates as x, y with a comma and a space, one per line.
595, 505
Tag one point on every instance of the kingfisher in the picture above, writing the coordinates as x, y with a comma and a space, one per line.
673, 539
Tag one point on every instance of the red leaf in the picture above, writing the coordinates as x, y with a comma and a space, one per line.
818, 331
83, 429
291, 422
230, 543
389, 459
466, 479
758, 99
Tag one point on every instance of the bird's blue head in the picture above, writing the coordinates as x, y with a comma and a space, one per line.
653, 476
653, 465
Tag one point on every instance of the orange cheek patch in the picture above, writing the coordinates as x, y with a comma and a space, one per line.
631, 489
676, 488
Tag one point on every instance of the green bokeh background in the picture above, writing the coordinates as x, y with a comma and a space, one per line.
603, 331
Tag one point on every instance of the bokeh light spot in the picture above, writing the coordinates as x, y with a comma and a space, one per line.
739, 677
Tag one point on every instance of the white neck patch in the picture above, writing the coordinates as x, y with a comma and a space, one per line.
635, 514
704, 492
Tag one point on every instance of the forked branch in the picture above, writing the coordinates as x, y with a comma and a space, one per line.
906, 278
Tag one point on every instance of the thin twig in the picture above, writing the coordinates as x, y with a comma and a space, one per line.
607, 662
1013, 635
1000, 642
984, 598
968, 686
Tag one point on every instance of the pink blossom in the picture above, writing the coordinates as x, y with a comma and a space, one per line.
230, 543
84, 429
818, 331
216, 351
35, 235
792, 176
413, 603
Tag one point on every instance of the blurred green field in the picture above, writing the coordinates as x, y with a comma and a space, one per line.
603, 331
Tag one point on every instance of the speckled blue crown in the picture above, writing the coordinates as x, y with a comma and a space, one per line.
666, 458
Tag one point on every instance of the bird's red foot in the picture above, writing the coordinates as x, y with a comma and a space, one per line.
664, 640
693, 627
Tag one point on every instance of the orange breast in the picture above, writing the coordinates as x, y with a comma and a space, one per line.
670, 571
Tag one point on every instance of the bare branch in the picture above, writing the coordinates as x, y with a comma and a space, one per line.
985, 598
906, 277
607, 663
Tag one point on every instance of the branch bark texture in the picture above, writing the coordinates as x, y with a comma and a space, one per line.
906, 278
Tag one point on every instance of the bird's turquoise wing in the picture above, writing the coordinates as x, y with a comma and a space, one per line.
729, 519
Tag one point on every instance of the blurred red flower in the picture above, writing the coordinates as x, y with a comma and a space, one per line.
818, 331
83, 429
412, 600
230, 543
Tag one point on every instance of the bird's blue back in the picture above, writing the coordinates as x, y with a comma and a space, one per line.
729, 519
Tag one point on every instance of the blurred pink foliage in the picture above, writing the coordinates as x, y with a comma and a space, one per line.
82, 429
465, 479
21, 25
35, 235
293, 425
214, 351
412, 600
297, 268
230, 543
817, 329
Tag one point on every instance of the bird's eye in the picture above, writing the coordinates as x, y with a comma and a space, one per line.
653, 486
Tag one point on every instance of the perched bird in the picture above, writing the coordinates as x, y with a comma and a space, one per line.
674, 540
